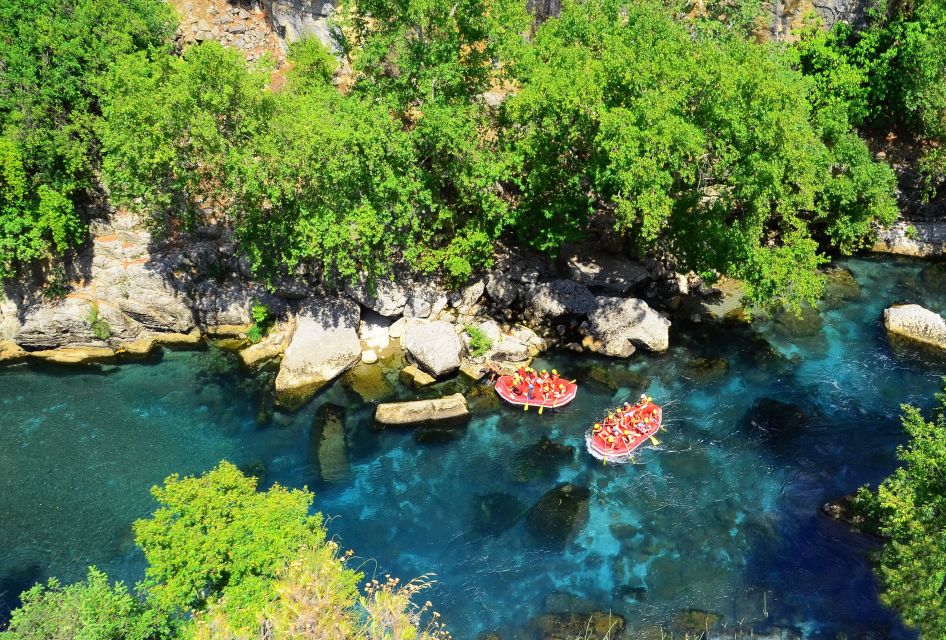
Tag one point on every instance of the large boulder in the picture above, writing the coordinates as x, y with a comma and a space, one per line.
385, 297
323, 345
560, 298
916, 323
447, 410
424, 301
558, 515
435, 345
65, 323
621, 324
501, 289
608, 274
919, 239
464, 299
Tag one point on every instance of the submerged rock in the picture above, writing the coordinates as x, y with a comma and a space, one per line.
704, 369
328, 440
450, 409
323, 345
806, 322
435, 345
598, 625
494, 513
695, 623
541, 461
842, 509
558, 515
916, 323
933, 278
623, 323
412, 375
774, 419
369, 381
439, 433
840, 287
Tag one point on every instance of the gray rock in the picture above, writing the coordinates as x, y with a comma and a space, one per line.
607, 274
916, 323
559, 298
468, 296
623, 323
217, 304
57, 325
501, 289
299, 19
435, 345
323, 345
450, 409
918, 239
424, 301
388, 298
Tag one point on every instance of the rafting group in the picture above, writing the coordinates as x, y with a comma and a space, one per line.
612, 439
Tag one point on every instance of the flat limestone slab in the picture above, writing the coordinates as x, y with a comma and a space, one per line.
439, 410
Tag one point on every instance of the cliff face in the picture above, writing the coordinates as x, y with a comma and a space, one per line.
297, 19
782, 16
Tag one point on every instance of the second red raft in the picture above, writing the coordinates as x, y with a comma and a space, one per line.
633, 430
519, 395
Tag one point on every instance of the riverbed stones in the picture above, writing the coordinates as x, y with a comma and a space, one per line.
608, 274
449, 409
597, 625
915, 323
558, 515
323, 345
559, 298
621, 324
435, 346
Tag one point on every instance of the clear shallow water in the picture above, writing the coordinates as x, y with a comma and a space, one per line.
723, 516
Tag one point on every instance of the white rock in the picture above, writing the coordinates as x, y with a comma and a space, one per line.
396, 330
435, 345
916, 323
324, 344
369, 356
374, 330
623, 323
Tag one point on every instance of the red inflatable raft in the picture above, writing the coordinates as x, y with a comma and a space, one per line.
633, 430
518, 395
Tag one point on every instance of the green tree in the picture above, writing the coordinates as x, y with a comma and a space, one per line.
53, 54
90, 610
909, 509
216, 539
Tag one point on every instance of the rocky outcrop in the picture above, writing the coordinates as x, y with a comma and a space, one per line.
323, 345
918, 239
915, 323
621, 324
300, 19
246, 29
614, 275
449, 410
560, 298
435, 345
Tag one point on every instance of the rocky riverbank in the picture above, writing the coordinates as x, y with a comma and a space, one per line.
127, 294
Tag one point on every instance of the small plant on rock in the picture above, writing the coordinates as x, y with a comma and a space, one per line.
98, 324
480, 343
262, 322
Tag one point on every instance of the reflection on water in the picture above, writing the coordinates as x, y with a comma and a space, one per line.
763, 426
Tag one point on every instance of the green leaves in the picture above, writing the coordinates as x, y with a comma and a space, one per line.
215, 538
909, 508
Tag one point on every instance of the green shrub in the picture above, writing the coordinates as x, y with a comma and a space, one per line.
909, 509
262, 322
480, 343
100, 327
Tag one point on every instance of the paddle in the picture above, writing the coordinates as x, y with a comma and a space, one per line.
654, 441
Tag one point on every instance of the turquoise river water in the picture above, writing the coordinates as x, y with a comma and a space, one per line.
722, 516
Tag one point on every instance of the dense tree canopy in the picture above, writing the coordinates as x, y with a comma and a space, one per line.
454, 130
909, 509
52, 55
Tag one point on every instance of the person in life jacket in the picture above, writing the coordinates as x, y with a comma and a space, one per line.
531, 393
644, 400
609, 421
554, 374
612, 441
517, 384
595, 430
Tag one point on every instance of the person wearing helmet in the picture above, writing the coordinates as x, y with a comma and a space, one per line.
595, 430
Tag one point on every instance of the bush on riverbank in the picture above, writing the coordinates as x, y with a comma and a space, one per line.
225, 560
909, 509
